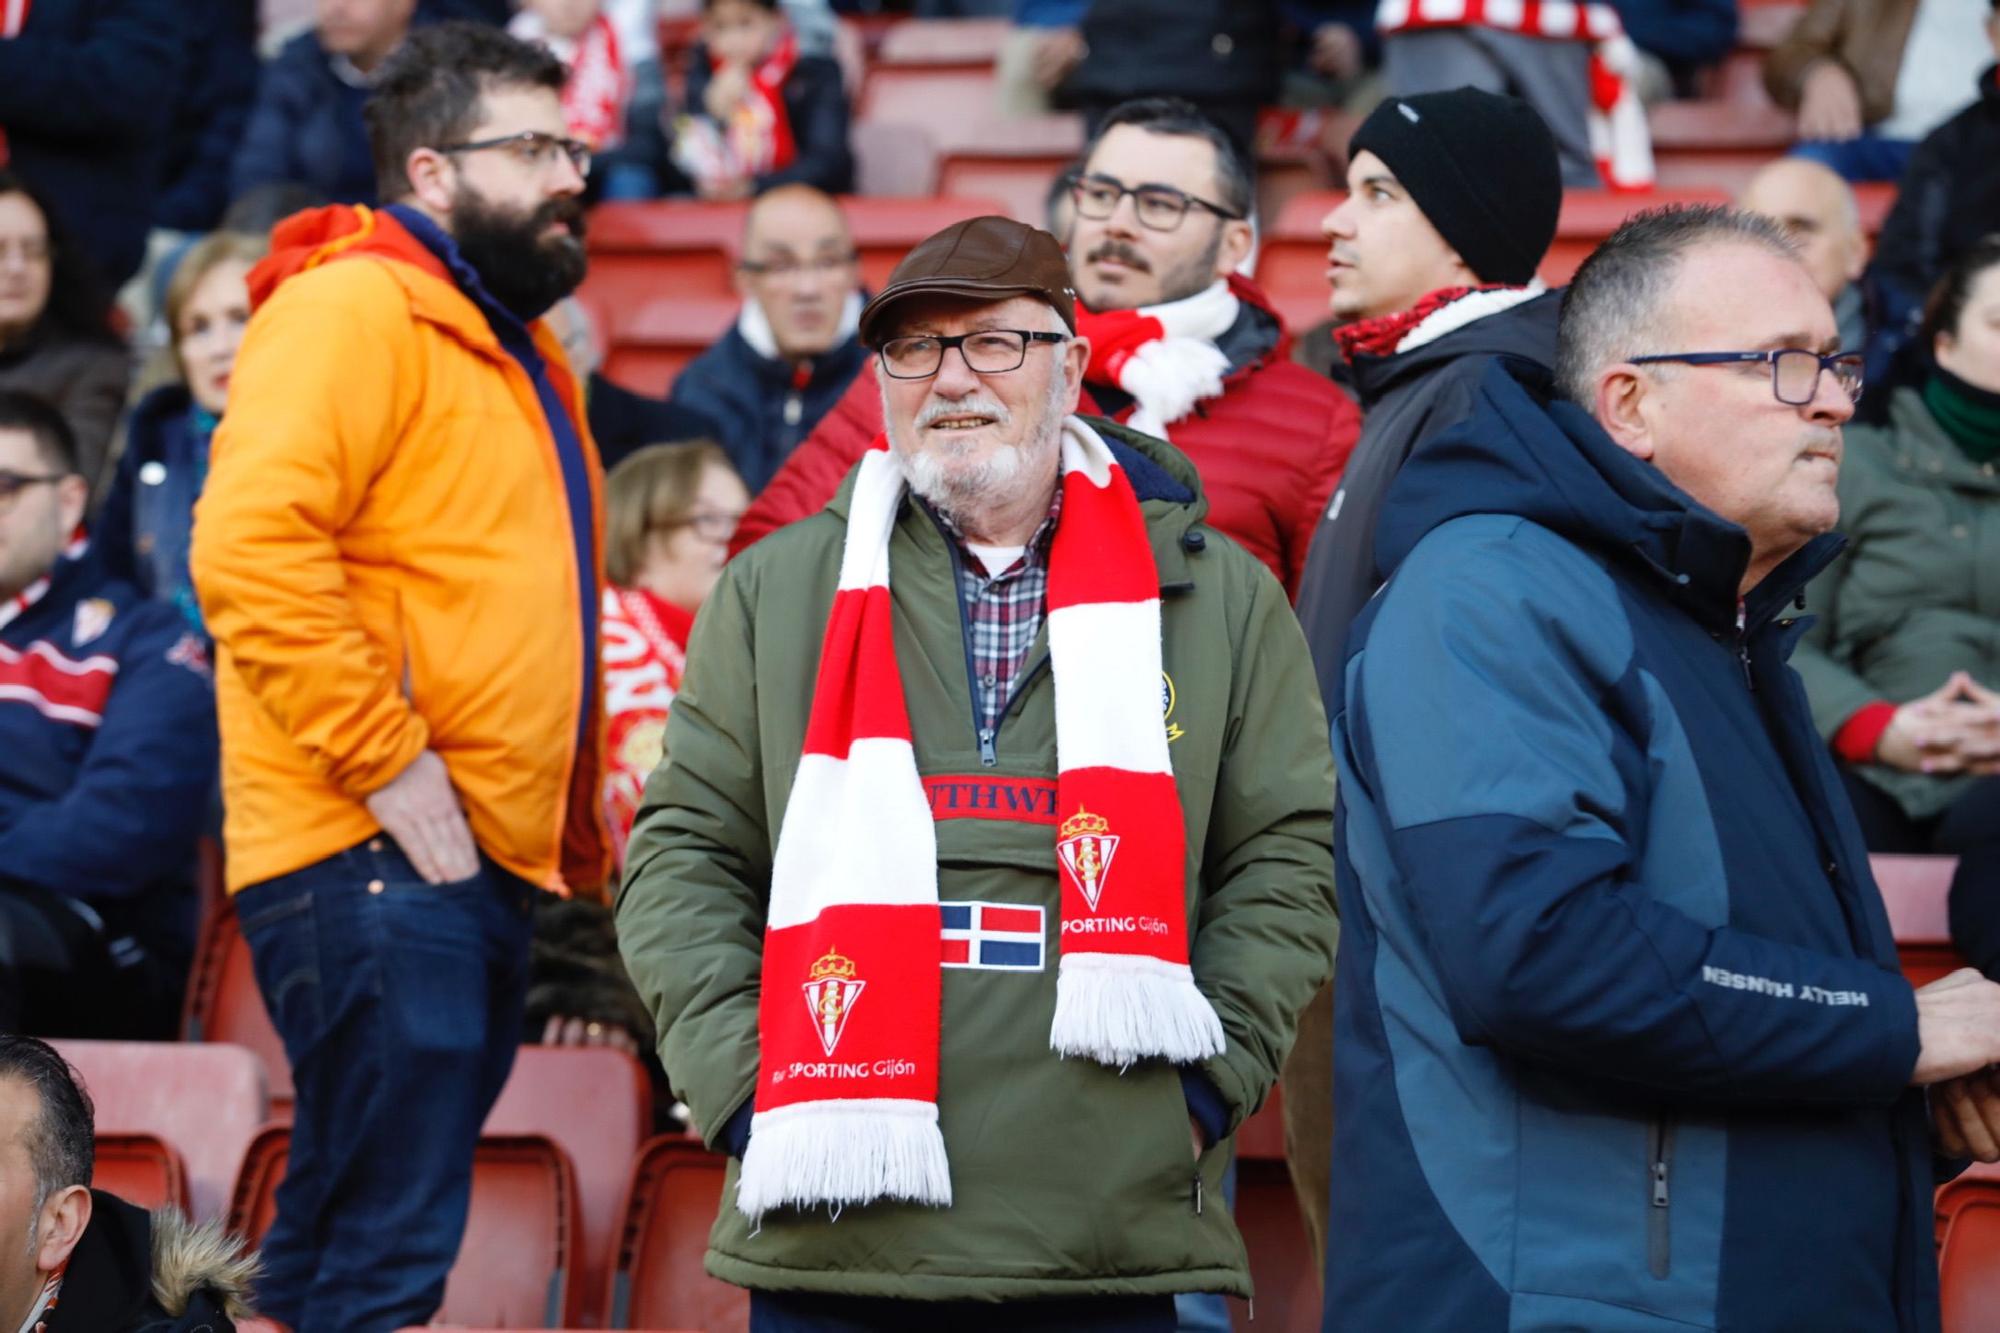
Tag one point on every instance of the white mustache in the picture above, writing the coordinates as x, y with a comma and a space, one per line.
938, 409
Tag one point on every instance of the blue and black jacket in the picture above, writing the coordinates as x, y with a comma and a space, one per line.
1621, 1040
107, 750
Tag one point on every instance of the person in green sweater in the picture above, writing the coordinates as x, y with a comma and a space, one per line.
1903, 661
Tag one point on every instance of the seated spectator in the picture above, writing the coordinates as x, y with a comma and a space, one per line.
147, 519
621, 421
1038, 52
1573, 64
55, 325
107, 758
1949, 197
1869, 78
1677, 39
79, 1260
1223, 60
615, 96
305, 127
1903, 657
85, 87
759, 113
1817, 210
217, 89
1336, 47
670, 512
793, 350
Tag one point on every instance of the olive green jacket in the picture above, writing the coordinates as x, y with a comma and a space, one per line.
1068, 1178
1916, 594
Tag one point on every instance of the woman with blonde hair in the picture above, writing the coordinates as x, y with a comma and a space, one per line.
148, 514
670, 511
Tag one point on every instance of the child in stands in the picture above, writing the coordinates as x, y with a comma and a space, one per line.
759, 113
615, 98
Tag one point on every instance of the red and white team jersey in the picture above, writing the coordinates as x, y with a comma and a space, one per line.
645, 654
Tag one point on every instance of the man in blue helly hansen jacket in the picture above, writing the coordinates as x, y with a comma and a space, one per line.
1621, 1040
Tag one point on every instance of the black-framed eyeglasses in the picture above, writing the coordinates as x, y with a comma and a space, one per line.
1158, 207
986, 352
13, 483
531, 148
1795, 371
818, 267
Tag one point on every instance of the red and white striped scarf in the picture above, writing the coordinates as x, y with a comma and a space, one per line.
846, 1099
1620, 139
1163, 355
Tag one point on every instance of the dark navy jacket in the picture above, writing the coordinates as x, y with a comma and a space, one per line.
146, 523
84, 92
218, 86
760, 408
305, 128
107, 745
1621, 1042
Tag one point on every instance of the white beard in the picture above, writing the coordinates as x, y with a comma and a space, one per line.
959, 486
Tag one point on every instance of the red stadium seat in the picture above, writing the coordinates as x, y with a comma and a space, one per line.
951, 102
1267, 1212
891, 158
655, 340
1014, 161
141, 1169
670, 1205
204, 1099
1969, 1255
596, 1104
224, 1004
964, 42
515, 1266
1915, 889
1715, 145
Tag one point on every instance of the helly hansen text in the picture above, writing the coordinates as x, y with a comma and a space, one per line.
1780, 990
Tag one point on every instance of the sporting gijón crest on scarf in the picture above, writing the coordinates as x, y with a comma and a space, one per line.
846, 1102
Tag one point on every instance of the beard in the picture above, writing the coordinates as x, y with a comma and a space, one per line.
1177, 281
943, 474
525, 271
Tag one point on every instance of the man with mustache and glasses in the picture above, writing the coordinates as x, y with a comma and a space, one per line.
399, 552
1622, 1041
971, 958
1183, 347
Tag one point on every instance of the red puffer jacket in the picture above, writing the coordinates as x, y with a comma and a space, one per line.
1270, 449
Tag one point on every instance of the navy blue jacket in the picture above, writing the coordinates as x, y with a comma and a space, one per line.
81, 97
220, 84
761, 411
146, 523
305, 128
1621, 1042
107, 741
1686, 34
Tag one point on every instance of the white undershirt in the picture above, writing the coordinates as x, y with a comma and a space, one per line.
1939, 75
997, 559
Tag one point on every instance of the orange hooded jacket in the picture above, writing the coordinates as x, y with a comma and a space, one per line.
383, 552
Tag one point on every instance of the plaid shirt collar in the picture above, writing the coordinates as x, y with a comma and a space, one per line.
1003, 611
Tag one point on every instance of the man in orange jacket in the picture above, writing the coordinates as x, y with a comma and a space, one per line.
399, 553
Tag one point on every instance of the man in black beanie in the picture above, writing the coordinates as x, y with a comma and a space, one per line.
1452, 202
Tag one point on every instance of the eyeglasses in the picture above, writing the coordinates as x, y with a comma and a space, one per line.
13, 483
709, 524
987, 352
1158, 207
1794, 370
783, 269
531, 148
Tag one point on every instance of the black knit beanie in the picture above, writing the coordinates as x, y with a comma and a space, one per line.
1483, 169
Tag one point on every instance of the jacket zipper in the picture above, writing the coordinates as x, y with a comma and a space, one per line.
1659, 1160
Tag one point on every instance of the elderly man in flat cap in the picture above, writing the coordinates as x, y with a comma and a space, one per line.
975, 928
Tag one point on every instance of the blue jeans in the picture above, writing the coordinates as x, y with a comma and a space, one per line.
400, 1004
1867, 158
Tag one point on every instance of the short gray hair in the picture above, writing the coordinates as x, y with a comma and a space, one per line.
1615, 301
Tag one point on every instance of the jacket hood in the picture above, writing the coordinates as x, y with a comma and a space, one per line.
1525, 330
1528, 453
307, 240
1259, 334
190, 1258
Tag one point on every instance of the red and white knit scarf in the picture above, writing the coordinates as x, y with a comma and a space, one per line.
1433, 316
846, 1100
1620, 139
1163, 355
594, 95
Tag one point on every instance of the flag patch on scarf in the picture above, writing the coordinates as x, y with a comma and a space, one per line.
1001, 937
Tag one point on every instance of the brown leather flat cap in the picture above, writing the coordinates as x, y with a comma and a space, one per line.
989, 257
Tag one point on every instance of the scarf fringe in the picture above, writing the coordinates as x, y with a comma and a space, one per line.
851, 1151
1119, 1009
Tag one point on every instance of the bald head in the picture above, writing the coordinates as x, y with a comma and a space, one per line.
1816, 209
798, 265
